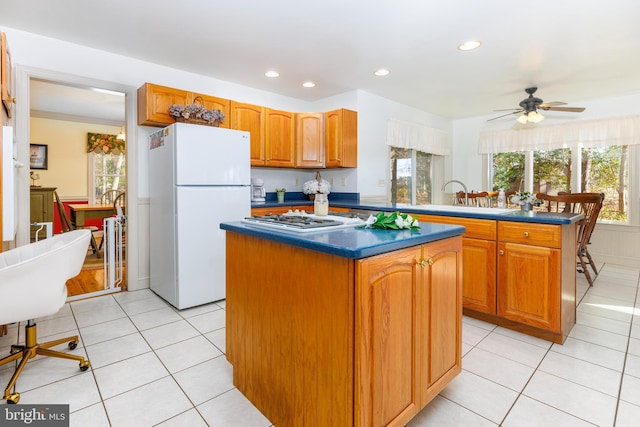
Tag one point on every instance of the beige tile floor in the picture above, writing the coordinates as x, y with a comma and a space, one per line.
154, 365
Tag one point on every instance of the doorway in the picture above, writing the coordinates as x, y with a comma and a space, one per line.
71, 104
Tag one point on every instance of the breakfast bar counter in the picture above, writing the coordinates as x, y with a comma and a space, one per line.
351, 327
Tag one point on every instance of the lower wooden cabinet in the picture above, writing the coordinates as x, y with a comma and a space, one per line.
479, 278
408, 330
518, 275
529, 285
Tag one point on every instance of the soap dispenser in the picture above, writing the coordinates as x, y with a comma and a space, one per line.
501, 201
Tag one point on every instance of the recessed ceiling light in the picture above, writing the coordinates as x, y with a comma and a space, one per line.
470, 45
308, 84
381, 72
272, 73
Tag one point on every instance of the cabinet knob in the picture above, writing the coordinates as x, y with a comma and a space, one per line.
526, 234
501, 252
426, 262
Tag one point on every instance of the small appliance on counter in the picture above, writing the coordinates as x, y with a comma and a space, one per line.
258, 193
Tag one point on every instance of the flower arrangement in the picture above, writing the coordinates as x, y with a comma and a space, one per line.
524, 198
316, 186
196, 111
392, 221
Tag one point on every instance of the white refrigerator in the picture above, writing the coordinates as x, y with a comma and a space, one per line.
199, 176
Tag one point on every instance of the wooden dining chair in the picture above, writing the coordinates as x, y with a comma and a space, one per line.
588, 204
65, 222
109, 196
481, 199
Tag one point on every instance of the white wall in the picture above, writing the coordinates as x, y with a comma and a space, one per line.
68, 157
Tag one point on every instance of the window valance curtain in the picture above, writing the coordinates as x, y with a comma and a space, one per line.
417, 137
588, 134
105, 143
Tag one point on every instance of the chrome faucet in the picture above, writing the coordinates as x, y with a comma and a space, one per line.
466, 197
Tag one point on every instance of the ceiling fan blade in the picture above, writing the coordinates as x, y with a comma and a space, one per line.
511, 109
505, 115
567, 109
551, 104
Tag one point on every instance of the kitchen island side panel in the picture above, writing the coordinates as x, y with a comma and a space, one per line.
290, 341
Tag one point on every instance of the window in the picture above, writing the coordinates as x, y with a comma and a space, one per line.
410, 176
594, 170
107, 172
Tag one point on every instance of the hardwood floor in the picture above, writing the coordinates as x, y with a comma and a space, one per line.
91, 280
91, 277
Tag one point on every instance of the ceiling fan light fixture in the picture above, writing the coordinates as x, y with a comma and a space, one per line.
535, 117
522, 119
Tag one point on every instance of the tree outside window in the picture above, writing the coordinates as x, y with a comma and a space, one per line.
604, 170
410, 176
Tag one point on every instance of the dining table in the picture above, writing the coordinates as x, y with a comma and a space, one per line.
79, 213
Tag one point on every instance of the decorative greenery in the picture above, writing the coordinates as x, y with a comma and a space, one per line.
524, 197
392, 221
196, 111
280, 190
104, 143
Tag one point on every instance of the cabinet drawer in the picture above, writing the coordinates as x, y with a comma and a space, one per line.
476, 228
530, 234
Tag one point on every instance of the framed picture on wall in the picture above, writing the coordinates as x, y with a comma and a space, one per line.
38, 156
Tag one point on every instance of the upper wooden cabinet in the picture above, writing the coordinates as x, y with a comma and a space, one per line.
250, 118
310, 142
341, 138
154, 102
214, 103
279, 140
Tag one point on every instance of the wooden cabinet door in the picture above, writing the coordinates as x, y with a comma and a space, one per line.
387, 347
250, 118
154, 102
529, 284
280, 134
479, 277
440, 310
214, 103
341, 138
310, 140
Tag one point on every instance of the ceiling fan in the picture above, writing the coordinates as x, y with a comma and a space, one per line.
529, 108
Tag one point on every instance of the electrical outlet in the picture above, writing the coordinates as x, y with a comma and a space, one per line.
344, 182
381, 183
331, 181
296, 184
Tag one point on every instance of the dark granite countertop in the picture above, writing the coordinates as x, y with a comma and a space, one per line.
351, 242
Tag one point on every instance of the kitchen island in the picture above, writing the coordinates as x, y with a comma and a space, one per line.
352, 327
